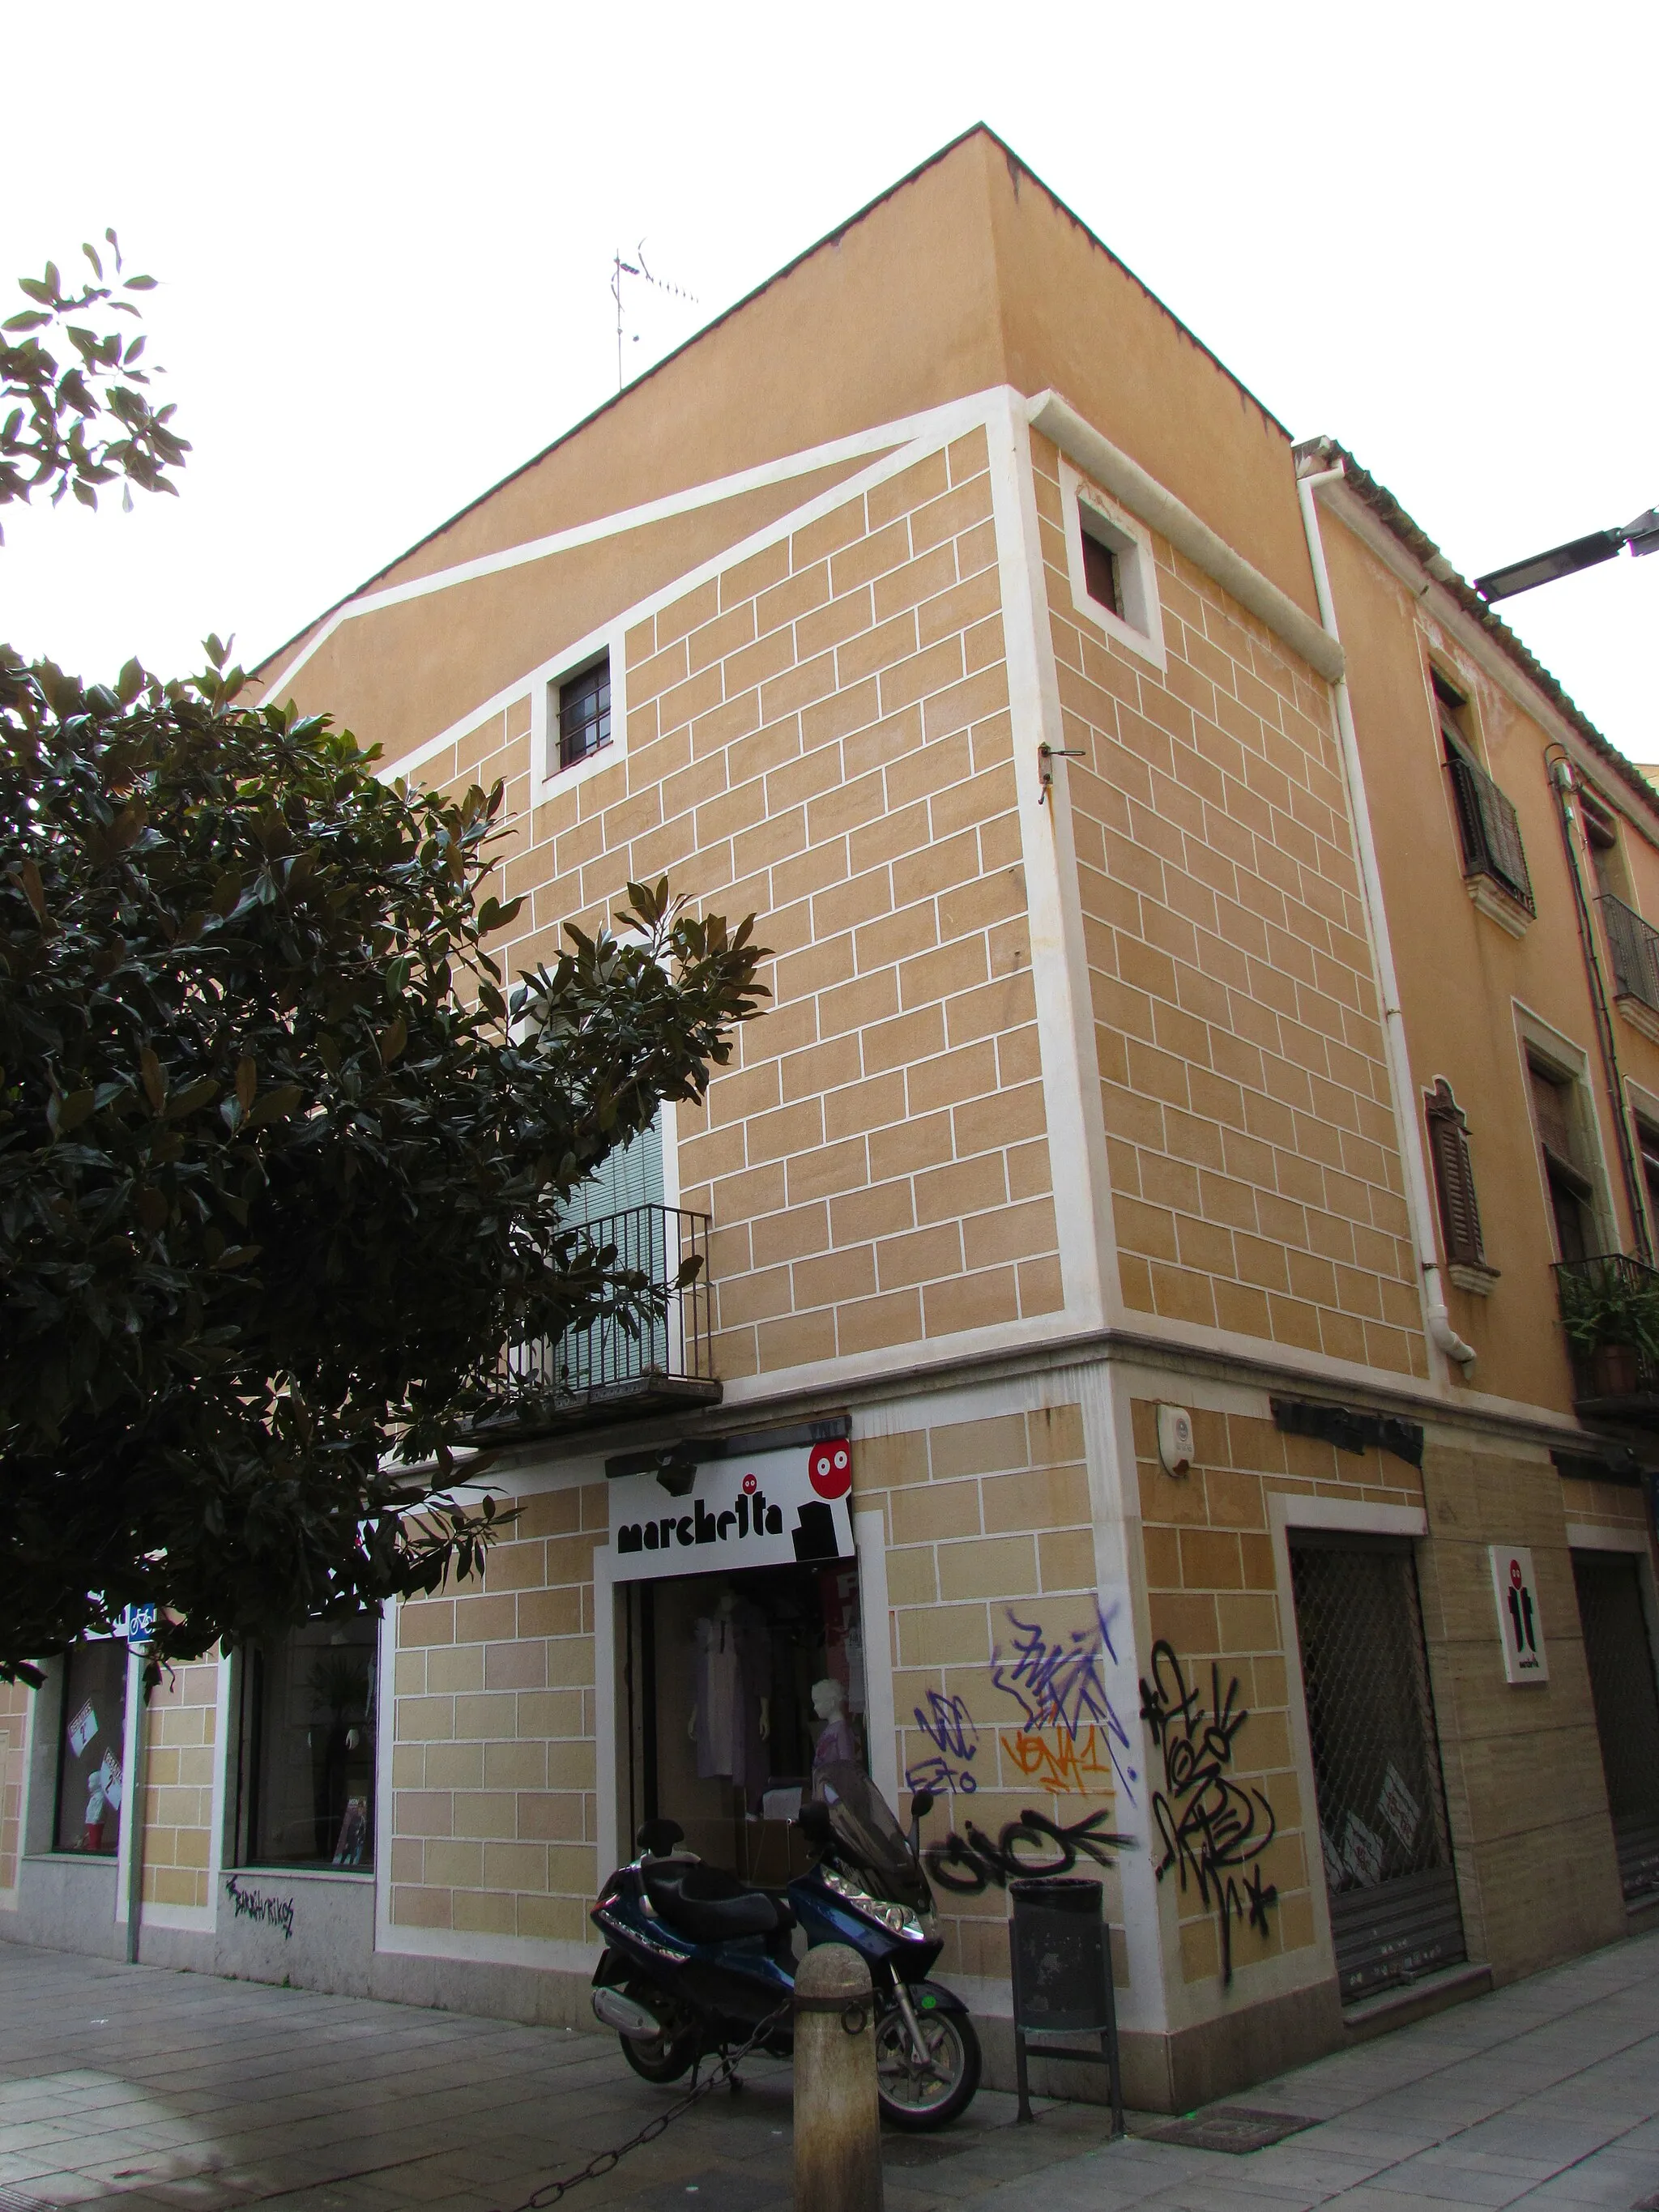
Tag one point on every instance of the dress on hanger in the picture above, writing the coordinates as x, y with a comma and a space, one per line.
734, 1673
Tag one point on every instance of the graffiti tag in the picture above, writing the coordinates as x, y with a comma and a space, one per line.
971, 1862
1211, 1827
1059, 1683
264, 1911
1055, 1760
945, 1723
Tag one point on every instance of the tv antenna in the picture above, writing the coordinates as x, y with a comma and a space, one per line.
636, 267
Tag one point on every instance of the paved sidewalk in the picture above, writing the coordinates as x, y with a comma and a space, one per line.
145, 2089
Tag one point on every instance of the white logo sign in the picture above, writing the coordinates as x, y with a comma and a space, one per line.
776, 1507
1519, 1623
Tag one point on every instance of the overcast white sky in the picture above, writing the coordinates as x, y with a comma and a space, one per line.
385, 234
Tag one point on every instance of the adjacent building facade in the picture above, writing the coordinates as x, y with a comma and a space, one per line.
1212, 1065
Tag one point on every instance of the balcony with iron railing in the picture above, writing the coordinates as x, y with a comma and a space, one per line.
1610, 1311
613, 1368
1634, 945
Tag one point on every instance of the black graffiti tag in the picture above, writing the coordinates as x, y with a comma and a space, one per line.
968, 1863
264, 1911
1211, 1827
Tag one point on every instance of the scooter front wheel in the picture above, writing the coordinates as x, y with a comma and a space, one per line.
919, 2094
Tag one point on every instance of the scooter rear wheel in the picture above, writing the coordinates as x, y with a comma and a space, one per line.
917, 2096
659, 2060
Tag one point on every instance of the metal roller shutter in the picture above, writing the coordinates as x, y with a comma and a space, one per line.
1394, 1912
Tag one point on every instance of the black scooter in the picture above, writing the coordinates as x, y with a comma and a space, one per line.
695, 1960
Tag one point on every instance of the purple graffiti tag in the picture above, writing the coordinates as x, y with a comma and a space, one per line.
945, 1723
1059, 1683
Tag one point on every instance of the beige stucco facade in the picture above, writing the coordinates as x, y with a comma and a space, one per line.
1075, 1099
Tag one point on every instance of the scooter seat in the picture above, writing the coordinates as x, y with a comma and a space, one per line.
711, 1905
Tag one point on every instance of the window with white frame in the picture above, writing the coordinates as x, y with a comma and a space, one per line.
306, 1781
584, 714
1113, 576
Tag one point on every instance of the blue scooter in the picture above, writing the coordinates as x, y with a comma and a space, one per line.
696, 1959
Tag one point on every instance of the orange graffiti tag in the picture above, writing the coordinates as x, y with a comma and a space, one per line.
1056, 1759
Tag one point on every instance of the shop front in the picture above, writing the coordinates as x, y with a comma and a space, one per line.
736, 1584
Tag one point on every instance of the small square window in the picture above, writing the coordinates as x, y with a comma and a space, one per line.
1102, 573
1109, 566
585, 712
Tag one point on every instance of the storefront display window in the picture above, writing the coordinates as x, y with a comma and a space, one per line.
92, 1748
740, 1689
306, 1783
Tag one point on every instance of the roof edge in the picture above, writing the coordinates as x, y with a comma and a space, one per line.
1382, 503
832, 237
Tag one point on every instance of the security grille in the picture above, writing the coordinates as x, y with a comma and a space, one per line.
584, 713
1620, 1659
1377, 1766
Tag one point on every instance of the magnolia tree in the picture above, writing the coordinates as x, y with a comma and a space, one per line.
282, 1159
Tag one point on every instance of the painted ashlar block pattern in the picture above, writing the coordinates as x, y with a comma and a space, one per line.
990, 1546
821, 735
14, 1729
493, 1825
1255, 1174
183, 1721
1525, 1791
1212, 1595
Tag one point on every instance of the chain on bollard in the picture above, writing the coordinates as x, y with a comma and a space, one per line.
837, 2112
554, 2192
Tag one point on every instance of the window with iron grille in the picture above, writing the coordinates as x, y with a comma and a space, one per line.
1453, 1182
585, 712
1486, 821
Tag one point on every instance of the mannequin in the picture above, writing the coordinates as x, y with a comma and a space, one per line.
732, 1716
835, 1742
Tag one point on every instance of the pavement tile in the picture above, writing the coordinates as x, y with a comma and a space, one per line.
150, 2089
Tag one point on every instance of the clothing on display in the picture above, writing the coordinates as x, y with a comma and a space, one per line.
720, 1709
730, 1718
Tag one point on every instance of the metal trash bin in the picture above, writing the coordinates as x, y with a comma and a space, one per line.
1059, 1949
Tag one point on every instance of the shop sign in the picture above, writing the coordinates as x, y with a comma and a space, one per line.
1518, 1620
774, 1509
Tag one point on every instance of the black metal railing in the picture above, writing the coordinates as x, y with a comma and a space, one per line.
669, 1355
1634, 944
1610, 1310
1490, 830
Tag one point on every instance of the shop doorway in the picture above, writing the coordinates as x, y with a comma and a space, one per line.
1620, 1653
733, 1685
1394, 1912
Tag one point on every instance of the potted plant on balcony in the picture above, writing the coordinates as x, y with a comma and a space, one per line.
1611, 1315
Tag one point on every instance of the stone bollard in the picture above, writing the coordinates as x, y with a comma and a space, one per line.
837, 2119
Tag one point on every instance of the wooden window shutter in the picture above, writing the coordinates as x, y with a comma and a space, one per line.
1454, 1177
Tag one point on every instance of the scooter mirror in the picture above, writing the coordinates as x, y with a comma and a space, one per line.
657, 1838
922, 1804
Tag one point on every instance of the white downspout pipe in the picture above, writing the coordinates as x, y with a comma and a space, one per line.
1418, 1200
